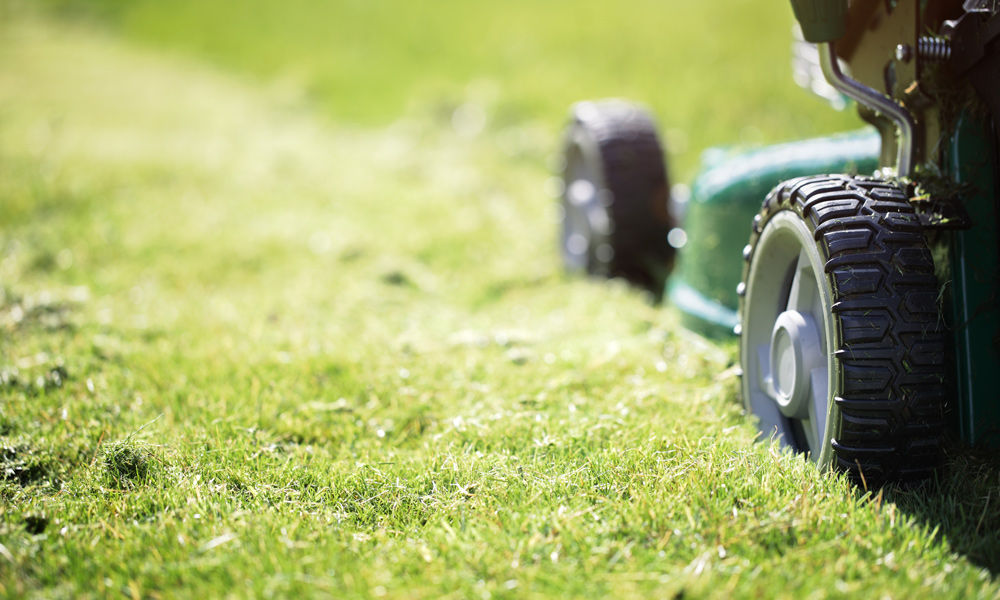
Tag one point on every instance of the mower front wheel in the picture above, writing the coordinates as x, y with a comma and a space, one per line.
841, 348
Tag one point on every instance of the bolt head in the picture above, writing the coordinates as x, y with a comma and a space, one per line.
904, 53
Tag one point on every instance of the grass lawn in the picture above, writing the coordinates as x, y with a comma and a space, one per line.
271, 326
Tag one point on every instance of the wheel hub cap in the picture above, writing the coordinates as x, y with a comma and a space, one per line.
795, 352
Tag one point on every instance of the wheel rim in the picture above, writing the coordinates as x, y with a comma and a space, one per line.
586, 224
788, 333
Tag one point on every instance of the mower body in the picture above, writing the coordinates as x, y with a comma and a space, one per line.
956, 156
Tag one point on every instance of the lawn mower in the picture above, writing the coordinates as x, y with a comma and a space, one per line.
859, 271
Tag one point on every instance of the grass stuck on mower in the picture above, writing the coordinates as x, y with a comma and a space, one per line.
859, 271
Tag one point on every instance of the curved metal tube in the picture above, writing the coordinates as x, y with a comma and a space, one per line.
878, 102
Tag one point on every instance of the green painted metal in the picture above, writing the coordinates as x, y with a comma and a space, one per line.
726, 196
972, 285
821, 20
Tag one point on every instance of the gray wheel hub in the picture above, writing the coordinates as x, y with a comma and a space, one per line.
795, 352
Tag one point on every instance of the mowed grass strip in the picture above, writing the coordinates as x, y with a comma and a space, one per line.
713, 73
248, 352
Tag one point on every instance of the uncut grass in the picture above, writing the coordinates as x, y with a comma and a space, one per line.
350, 366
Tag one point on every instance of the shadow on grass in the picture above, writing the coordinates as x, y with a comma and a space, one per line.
962, 502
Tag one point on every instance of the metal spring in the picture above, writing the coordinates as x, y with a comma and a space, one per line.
933, 49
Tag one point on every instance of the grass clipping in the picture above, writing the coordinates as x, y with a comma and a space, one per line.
129, 463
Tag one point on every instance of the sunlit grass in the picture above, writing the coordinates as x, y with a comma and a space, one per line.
247, 351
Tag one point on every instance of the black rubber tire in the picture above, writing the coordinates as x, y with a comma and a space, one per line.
887, 372
615, 146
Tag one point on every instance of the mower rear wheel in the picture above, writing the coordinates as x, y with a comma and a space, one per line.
615, 221
841, 347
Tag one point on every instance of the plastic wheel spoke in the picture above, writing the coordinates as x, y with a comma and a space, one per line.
802, 295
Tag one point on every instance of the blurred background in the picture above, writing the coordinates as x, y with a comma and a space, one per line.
713, 72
